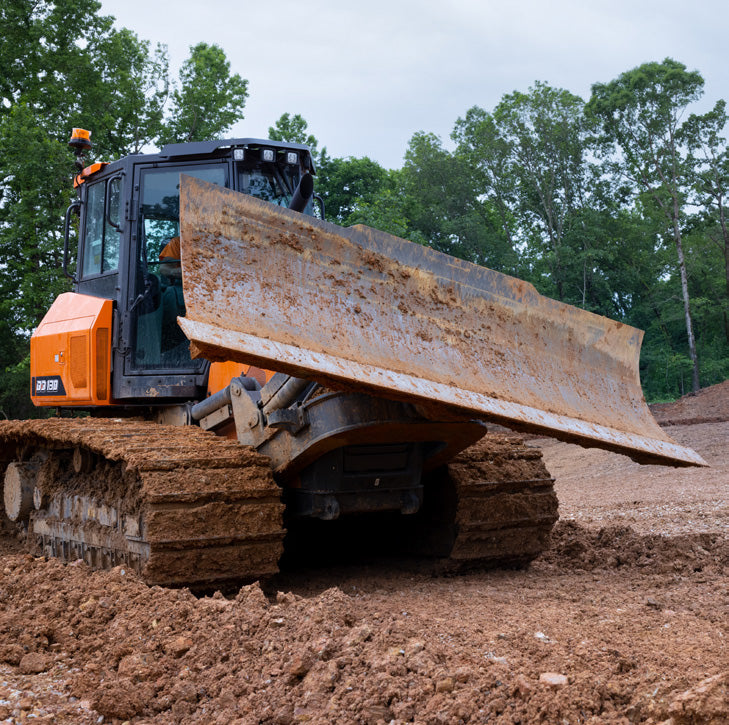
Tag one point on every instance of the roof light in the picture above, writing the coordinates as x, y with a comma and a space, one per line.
292, 157
268, 155
80, 140
239, 154
80, 143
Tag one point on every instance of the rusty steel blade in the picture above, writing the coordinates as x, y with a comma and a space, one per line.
358, 308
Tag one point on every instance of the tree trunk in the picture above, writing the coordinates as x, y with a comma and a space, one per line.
726, 269
686, 300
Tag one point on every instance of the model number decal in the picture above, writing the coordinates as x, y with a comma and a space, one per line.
48, 385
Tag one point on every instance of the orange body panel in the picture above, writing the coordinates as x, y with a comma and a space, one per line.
70, 353
221, 373
88, 171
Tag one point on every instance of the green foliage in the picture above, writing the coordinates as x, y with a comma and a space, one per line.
443, 207
641, 111
709, 160
35, 196
642, 107
15, 393
347, 183
488, 154
386, 210
64, 65
530, 160
209, 99
129, 105
44, 60
293, 129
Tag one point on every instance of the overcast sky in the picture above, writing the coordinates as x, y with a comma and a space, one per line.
367, 76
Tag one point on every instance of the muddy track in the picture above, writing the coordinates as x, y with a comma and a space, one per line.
493, 505
184, 507
179, 505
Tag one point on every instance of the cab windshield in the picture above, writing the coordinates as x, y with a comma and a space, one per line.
268, 183
157, 300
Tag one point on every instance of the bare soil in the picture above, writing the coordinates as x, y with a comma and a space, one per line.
625, 619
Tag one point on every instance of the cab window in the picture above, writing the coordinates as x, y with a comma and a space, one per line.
101, 238
267, 183
161, 204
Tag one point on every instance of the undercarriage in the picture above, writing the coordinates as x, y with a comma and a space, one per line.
182, 506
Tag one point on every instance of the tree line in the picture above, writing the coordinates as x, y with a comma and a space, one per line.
614, 204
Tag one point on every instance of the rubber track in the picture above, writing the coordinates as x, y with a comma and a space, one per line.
493, 505
209, 508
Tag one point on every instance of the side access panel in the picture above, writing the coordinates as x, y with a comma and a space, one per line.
70, 353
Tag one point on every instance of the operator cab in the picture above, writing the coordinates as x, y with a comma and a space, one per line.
129, 249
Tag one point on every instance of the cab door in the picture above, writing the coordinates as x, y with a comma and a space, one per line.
99, 255
157, 361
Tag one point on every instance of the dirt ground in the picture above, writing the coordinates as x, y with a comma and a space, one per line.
625, 619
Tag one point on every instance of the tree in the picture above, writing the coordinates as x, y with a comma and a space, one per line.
442, 205
489, 155
292, 129
530, 155
43, 56
63, 65
36, 171
641, 111
130, 102
386, 210
208, 101
15, 360
710, 163
346, 183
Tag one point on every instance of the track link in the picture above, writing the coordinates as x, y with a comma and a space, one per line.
177, 504
493, 505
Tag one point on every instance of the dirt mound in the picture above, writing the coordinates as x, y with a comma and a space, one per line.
132, 650
506, 647
615, 547
600, 489
623, 621
707, 702
709, 405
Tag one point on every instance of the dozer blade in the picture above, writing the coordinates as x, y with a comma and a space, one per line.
356, 308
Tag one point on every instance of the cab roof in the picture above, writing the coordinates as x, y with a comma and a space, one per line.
204, 148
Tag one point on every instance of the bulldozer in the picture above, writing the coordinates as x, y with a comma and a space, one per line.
230, 365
